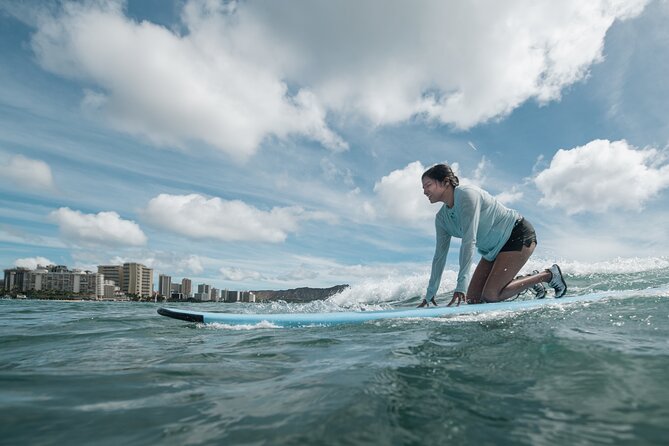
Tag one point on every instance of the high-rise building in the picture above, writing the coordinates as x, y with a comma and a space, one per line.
110, 289
137, 279
234, 296
55, 278
175, 291
165, 285
15, 278
90, 284
187, 287
248, 296
203, 292
112, 273
132, 278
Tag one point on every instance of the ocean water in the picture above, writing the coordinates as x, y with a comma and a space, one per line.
117, 373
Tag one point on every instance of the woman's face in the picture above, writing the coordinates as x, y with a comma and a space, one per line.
434, 190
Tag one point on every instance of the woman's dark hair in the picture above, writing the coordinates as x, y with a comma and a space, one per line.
441, 173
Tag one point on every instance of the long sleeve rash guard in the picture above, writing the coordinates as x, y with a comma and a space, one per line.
480, 221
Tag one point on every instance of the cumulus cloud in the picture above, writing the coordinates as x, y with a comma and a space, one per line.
18, 235
478, 177
26, 172
192, 264
162, 261
225, 78
235, 274
32, 262
333, 173
400, 196
173, 89
300, 274
603, 175
199, 217
460, 63
103, 228
510, 197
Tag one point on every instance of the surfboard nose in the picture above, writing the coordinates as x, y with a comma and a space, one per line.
181, 315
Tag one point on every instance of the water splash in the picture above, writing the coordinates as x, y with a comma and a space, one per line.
634, 273
242, 327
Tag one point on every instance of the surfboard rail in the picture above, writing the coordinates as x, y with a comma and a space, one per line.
351, 317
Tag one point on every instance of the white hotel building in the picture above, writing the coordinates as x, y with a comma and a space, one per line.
54, 278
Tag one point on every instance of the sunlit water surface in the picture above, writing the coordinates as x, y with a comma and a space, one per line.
116, 373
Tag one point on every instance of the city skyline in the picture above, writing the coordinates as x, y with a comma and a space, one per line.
249, 147
111, 283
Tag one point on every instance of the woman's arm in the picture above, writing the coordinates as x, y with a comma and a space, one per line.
470, 213
438, 262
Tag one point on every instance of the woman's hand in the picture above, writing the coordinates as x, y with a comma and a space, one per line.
458, 297
425, 304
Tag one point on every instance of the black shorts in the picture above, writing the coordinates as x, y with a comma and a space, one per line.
522, 235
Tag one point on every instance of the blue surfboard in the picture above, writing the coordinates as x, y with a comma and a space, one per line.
352, 317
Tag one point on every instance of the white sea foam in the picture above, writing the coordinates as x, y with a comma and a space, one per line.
392, 290
374, 293
401, 291
219, 326
316, 306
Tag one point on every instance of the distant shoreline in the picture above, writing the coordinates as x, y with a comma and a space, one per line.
295, 295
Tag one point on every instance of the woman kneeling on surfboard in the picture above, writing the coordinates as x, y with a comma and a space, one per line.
503, 237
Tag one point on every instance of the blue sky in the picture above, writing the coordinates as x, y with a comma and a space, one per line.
272, 145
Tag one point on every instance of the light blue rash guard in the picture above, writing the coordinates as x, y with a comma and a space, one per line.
480, 221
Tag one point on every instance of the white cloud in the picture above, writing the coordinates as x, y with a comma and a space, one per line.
11, 234
459, 63
173, 89
177, 264
400, 196
235, 274
334, 173
603, 175
192, 264
300, 274
32, 262
103, 228
225, 79
478, 177
510, 197
26, 172
198, 217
